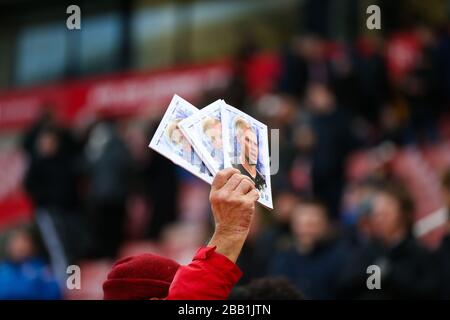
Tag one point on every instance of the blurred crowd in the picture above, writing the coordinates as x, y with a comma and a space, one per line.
99, 188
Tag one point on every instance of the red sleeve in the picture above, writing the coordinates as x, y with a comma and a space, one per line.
210, 276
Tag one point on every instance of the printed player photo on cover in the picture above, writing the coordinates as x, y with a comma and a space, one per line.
246, 147
171, 143
204, 131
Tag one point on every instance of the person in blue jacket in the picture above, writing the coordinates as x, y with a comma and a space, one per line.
23, 274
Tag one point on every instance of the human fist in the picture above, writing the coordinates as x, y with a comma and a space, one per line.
232, 198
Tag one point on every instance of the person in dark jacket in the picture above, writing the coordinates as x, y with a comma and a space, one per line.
260, 249
315, 257
303, 62
51, 176
108, 164
405, 268
333, 141
162, 185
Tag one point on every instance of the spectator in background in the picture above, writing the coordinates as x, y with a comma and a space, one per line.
315, 257
47, 120
281, 112
108, 164
332, 143
373, 85
356, 212
51, 182
24, 274
277, 233
345, 80
421, 90
237, 91
302, 63
444, 249
301, 162
154, 179
263, 241
51, 176
406, 268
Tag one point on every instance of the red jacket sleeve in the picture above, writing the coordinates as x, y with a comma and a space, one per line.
210, 276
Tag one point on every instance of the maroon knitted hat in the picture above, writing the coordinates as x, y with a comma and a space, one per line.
140, 278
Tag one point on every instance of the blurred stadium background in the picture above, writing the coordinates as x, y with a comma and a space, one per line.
355, 108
